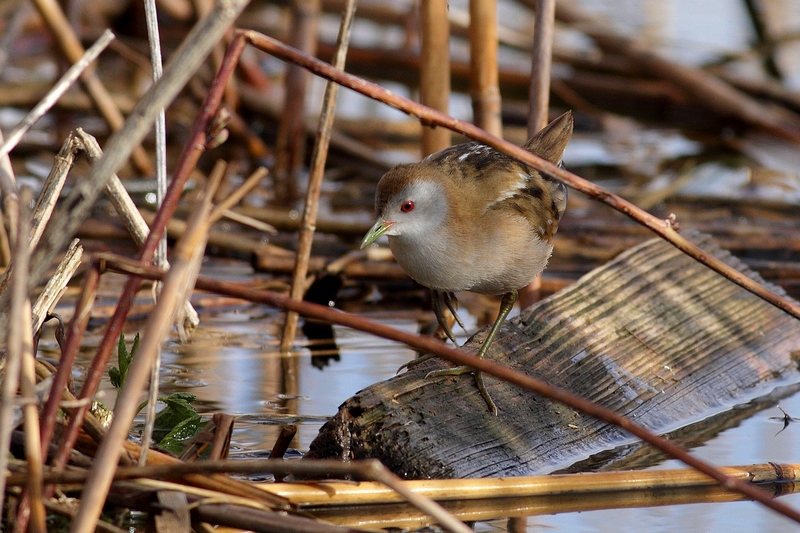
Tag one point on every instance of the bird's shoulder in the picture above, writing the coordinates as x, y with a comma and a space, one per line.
494, 181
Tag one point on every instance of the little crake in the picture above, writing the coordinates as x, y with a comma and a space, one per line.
469, 218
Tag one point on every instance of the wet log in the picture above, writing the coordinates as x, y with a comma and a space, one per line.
653, 335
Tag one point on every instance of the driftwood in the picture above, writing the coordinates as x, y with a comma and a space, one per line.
653, 335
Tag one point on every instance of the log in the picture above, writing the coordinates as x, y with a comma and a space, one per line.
653, 335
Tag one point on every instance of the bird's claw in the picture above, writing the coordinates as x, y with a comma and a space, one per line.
414, 362
479, 381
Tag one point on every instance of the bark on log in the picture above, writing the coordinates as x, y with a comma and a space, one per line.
653, 335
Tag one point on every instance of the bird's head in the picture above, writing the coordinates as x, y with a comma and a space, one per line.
410, 202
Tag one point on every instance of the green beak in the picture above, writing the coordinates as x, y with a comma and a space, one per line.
380, 227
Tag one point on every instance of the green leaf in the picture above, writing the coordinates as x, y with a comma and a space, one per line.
183, 431
116, 379
175, 415
124, 358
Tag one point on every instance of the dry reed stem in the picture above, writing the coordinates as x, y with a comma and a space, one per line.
154, 40
317, 173
184, 269
71, 46
539, 97
19, 359
56, 285
45, 204
27, 387
542, 60
434, 76
54, 184
430, 345
8, 392
132, 219
484, 77
185, 60
345, 493
223, 209
335, 493
8, 188
77, 326
289, 150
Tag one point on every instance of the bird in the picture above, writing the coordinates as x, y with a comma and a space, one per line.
470, 218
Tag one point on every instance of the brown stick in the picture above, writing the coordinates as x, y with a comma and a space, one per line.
62, 31
539, 104
20, 347
291, 139
542, 61
315, 180
430, 345
484, 78
434, 76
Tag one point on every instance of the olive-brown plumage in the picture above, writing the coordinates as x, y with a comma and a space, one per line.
469, 218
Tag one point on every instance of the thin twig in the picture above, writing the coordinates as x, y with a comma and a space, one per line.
310, 209
56, 285
8, 391
56, 92
8, 188
20, 347
223, 209
153, 38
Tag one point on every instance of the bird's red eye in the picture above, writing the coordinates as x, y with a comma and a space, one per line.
407, 206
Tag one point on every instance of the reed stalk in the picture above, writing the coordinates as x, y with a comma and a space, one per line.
434, 76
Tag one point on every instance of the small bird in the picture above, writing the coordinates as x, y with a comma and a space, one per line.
470, 218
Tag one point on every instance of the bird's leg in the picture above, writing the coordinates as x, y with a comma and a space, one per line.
506, 305
449, 299
437, 298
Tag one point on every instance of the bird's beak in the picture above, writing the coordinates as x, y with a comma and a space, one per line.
381, 227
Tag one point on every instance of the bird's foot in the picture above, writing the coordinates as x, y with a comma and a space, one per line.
414, 362
459, 370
